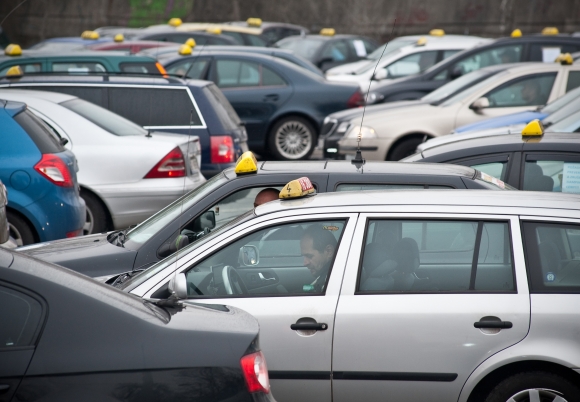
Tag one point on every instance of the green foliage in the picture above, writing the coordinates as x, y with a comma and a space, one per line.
150, 12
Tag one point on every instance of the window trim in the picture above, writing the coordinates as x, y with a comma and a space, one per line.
401, 183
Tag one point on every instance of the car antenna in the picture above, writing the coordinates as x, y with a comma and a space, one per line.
358, 160
11, 11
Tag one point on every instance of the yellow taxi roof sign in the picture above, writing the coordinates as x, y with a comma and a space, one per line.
13, 50
14, 71
516, 33
422, 41
254, 22
565, 59
92, 35
214, 30
437, 32
190, 42
184, 50
175, 22
297, 188
119, 37
246, 163
327, 32
534, 128
550, 31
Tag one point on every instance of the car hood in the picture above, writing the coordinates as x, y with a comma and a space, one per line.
502, 121
406, 113
57, 246
358, 112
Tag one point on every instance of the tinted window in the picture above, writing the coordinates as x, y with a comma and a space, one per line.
436, 256
222, 107
139, 68
553, 256
374, 186
270, 78
26, 68
232, 73
79, 67
336, 51
490, 57
548, 52
529, 91
20, 316
552, 175
573, 80
195, 69
255, 40
235, 35
412, 64
306, 48
495, 169
46, 141
153, 107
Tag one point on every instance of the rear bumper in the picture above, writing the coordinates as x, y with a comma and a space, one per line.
132, 203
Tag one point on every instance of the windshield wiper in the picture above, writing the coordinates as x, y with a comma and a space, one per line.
122, 236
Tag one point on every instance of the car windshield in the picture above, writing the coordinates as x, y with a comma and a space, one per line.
456, 86
391, 47
161, 265
467, 92
104, 118
570, 124
561, 107
371, 65
148, 228
305, 47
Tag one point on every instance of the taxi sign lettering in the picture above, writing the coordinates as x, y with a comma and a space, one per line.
297, 188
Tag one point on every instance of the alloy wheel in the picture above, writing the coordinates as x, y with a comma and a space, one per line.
15, 234
89, 222
537, 395
293, 140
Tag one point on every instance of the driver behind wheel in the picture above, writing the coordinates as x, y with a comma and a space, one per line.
317, 246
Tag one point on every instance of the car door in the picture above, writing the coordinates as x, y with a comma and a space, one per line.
292, 268
21, 315
514, 96
550, 171
433, 296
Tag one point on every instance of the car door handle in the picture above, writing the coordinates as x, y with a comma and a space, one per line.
271, 97
4, 388
493, 324
309, 326
262, 277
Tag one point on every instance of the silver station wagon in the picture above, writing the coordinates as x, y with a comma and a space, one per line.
398, 295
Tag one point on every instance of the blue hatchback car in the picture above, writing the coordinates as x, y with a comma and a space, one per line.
40, 175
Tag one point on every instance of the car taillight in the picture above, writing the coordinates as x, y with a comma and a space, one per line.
55, 170
256, 372
172, 165
74, 233
357, 99
222, 149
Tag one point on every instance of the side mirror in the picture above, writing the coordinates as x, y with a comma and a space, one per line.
205, 220
456, 72
381, 74
178, 286
479, 104
324, 61
249, 256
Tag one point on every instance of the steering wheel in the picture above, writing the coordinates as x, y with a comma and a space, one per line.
233, 281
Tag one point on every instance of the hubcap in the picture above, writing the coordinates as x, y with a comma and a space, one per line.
537, 395
293, 140
15, 234
89, 222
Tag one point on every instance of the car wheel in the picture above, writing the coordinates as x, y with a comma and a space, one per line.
20, 230
534, 386
292, 138
404, 148
96, 215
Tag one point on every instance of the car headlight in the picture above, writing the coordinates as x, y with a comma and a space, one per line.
342, 127
327, 120
366, 133
374, 97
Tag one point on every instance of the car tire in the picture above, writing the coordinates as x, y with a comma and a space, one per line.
548, 386
404, 148
96, 220
20, 230
292, 138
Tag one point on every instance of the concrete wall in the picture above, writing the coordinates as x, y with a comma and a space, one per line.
38, 19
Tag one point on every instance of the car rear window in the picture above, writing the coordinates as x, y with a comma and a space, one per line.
139, 68
46, 141
224, 110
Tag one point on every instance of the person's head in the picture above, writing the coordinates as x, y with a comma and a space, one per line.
317, 246
266, 195
531, 92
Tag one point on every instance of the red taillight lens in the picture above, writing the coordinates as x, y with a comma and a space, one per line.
256, 372
172, 165
357, 99
222, 149
55, 170
74, 233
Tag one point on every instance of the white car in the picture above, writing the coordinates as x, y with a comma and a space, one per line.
393, 134
126, 173
399, 296
410, 59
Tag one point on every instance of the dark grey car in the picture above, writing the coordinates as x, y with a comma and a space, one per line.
4, 233
66, 337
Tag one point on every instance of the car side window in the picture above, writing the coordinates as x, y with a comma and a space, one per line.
20, 316
573, 80
495, 169
490, 57
547, 52
433, 256
527, 91
235, 35
393, 186
78, 67
552, 256
94, 95
26, 68
336, 51
280, 260
552, 175
412, 64
233, 73
194, 69
270, 78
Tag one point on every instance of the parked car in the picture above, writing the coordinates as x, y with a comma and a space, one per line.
282, 105
4, 229
395, 134
247, 36
228, 195
131, 46
68, 43
201, 38
357, 295
192, 108
58, 331
41, 178
539, 48
272, 32
126, 173
328, 50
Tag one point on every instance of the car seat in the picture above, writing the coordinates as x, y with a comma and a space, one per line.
535, 180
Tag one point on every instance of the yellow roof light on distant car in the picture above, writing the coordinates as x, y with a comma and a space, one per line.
13, 50
246, 163
297, 188
422, 41
516, 33
254, 22
92, 35
327, 32
565, 59
533, 129
14, 71
437, 32
550, 31
119, 37
175, 22
184, 50
215, 31
190, 42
